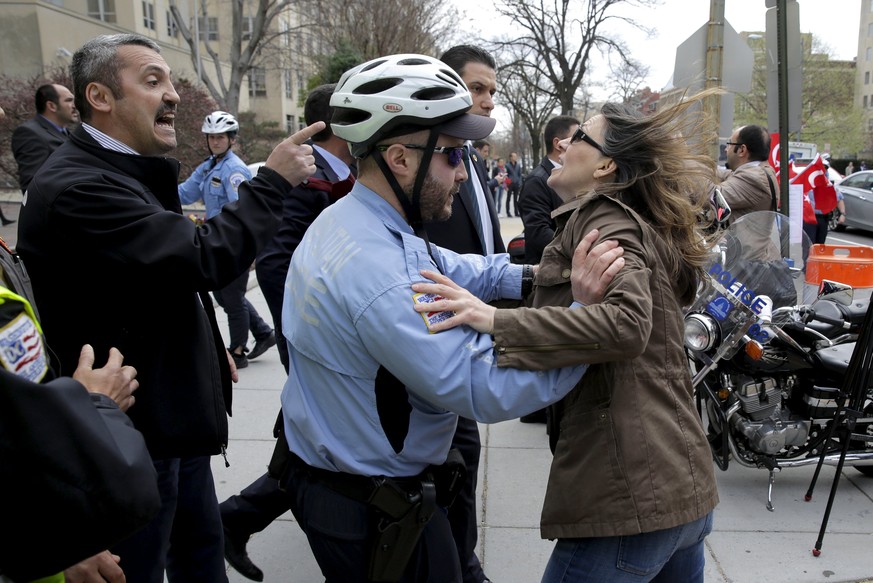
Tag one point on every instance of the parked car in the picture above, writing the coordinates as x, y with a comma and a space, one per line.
857, 191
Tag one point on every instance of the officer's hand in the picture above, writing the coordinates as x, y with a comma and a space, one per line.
468, 309
293, 158
594, 270
100, 568
113, 380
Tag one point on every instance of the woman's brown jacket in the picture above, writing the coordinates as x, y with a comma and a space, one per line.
631, 455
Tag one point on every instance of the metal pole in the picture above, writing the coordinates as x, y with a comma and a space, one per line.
782, 75
714, 60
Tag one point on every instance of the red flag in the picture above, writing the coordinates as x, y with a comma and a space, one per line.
774, 153
815, 178
808, 211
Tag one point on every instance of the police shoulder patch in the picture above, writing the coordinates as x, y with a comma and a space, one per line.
236, 179
431, 318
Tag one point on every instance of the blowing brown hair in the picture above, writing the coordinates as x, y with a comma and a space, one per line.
659, 176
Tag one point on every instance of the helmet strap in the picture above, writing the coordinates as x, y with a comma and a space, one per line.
412, 208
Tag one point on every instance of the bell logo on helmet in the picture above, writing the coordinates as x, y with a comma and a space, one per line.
392, 108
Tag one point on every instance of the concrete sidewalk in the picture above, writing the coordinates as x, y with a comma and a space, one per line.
749, 544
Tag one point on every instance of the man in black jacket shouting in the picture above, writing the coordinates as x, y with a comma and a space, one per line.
115, 263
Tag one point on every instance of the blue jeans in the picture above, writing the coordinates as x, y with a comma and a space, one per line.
663, 556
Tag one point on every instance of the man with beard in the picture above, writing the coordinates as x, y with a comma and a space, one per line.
115, 263
373, 397
748, 184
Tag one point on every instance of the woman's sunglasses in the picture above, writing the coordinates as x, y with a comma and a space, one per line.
580, 136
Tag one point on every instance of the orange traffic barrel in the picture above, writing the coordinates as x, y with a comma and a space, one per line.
849, 264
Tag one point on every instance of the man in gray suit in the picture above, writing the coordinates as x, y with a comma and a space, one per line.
748, 184
34, 140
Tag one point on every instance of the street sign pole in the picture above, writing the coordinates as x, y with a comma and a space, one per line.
782, 51
714, 60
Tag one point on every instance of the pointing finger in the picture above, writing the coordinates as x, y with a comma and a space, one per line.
300, 137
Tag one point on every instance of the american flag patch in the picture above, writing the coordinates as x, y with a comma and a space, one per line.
431, 318
21, 349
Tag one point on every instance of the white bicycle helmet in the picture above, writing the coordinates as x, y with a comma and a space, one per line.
220, 122
398, 94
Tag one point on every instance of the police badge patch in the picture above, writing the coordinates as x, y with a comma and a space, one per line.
431, 318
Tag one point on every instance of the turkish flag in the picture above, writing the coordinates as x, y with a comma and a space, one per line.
773, 160
774, 153
815, 178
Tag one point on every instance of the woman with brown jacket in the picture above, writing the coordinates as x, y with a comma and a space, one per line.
631, 488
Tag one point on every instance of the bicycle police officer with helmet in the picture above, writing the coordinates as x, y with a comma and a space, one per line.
216, 182
372, 398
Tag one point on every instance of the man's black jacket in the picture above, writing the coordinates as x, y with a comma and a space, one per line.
114, 263
537, 201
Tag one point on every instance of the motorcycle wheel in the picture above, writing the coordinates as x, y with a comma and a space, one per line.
866, 470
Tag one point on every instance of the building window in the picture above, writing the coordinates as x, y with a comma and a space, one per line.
285, 31
172, 29
865, 102
102, 10
289, 124
288, 81
867, 78
870, 125
248, 27
148, 15
869, 53
257, 82
299, 82
208, 27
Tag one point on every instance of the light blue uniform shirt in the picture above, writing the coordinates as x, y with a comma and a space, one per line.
216, 186
349, 309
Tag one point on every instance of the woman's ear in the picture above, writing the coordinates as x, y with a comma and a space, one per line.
605, 168
99, 97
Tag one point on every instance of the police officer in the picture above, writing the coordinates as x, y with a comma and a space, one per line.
216, 182
373, 397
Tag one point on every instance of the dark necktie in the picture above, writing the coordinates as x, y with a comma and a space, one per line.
473, 200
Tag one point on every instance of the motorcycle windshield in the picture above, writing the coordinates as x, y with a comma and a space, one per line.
755, 267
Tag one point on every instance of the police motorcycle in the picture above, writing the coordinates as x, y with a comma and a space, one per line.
767, 368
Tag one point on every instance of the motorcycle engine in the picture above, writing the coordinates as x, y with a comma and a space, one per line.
763, 421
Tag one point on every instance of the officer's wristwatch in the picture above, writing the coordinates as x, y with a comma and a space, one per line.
527, 280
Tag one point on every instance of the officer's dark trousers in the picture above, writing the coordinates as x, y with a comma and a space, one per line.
241, 314
462, 514
185, 538
338, 531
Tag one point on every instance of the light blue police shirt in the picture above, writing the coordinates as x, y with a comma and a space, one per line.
216, 186
348, 309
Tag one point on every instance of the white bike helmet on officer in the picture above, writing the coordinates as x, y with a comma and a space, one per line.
220, 122
402, 94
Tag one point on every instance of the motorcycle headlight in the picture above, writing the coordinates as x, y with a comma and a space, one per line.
701, 332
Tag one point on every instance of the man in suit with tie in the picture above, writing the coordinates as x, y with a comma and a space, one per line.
262, 502
472, 228
34, 140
